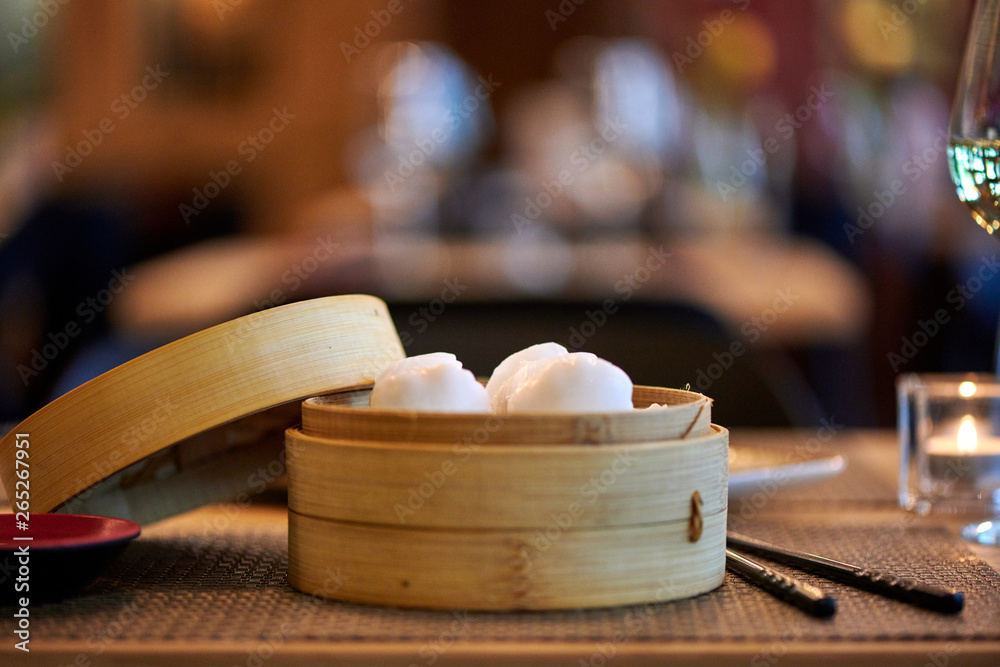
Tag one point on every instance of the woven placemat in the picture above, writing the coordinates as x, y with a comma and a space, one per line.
870, 480
230, 585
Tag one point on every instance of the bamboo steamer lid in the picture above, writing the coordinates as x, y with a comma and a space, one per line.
190, 422
572, 517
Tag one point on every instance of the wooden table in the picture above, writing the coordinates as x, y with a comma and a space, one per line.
800, 293
163, 603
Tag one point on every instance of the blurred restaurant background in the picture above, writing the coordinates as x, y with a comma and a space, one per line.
747, 196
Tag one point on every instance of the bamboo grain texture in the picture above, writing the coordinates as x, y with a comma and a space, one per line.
464, 486
504, 569
237, 461
200, 382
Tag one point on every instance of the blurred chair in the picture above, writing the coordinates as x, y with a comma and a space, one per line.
663, 344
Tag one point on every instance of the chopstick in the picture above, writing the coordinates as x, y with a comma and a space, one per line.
928, 596
804, 596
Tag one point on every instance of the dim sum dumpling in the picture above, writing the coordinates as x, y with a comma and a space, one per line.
434, 382
500, 384
571, 383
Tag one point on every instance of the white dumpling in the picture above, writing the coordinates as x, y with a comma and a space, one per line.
429, 383
572, 383
500, 384
418, 361
526, 372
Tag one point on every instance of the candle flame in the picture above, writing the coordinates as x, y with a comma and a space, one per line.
967, 437
967, 389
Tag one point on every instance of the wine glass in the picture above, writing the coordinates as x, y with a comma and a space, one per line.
974, 155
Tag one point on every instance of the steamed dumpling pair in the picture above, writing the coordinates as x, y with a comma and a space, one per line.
542, 378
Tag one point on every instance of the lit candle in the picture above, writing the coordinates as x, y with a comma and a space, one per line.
968, 459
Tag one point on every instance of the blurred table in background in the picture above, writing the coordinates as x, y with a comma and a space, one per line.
780, 291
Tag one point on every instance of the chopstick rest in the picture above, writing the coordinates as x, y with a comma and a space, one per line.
805, 596
928, 596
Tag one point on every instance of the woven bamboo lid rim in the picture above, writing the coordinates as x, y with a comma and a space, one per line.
529, 417
640, 392
347, 415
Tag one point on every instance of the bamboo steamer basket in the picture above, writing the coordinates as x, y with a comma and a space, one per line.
507, 512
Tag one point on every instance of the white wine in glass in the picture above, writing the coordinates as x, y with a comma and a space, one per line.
975, 169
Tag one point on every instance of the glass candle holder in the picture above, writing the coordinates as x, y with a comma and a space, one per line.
949, 432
